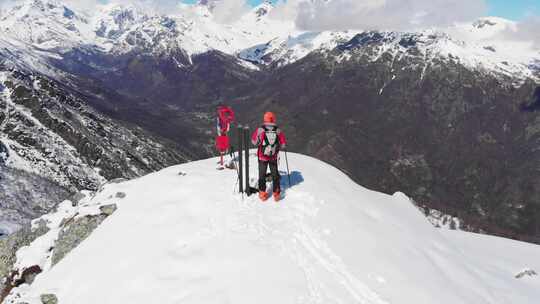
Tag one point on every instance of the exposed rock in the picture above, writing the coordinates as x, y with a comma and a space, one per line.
25, 196
73, 234
526, 272
49, 299
108, 209
29, 275
120, 195
117, 181
8, 250
10, 245
4, 153
76, 198
67, 220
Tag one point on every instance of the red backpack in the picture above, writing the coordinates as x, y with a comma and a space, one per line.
225, 118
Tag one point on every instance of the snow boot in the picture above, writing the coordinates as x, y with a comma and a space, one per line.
277, 196
230, 166
263, 196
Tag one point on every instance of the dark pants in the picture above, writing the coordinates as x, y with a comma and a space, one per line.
263, 167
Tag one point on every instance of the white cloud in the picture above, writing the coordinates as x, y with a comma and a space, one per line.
165, 7
319, 15
161, 5
224, 11
528, 30
154, 6
228, 11
285, 10
82, 4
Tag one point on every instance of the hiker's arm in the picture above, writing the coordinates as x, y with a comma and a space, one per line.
256, 137
282, 140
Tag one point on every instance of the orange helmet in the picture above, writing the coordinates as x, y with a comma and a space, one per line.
269, 117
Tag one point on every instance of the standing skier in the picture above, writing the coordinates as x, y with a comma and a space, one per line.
224, 119
270, 140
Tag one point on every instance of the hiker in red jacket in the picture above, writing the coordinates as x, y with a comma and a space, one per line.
270, 140
224, 119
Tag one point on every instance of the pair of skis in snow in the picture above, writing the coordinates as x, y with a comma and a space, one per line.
243, 162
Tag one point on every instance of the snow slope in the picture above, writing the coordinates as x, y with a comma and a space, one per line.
182, 236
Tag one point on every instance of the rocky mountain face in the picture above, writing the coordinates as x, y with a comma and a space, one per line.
76, 222
452, 122
54, 144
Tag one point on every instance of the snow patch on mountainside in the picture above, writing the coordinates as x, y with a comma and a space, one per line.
284, 51
22, 56
183, 235
430, 47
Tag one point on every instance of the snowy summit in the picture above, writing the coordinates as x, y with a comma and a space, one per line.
182, 235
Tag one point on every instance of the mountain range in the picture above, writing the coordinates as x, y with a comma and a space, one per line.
446, 115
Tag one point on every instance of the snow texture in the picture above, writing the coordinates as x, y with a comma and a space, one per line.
182, 235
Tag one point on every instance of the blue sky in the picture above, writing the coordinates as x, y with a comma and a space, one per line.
511, 9
514, 9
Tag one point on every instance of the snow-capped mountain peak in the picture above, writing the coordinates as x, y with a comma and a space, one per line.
47, 24
257, 36
113, 20
264, 8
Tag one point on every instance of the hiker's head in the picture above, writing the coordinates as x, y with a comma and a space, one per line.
269, 117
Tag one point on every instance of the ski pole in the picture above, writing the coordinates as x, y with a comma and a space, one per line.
288, 172
246, 163
233, 158
240, 160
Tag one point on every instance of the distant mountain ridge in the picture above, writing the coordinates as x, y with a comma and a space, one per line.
55, 28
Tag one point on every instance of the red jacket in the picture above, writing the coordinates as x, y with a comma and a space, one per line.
258, 140
224, 120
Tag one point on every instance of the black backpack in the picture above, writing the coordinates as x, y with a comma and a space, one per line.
270, 144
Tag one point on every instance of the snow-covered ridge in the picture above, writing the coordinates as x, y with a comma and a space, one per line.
431, 47
183, 235
258, 37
